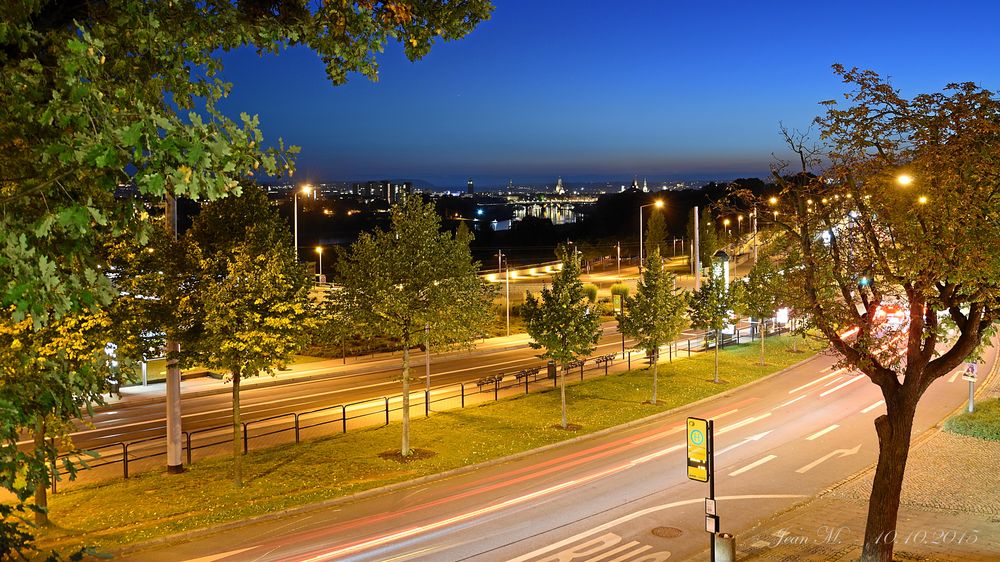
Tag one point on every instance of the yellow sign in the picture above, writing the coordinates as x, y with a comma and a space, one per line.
697, 449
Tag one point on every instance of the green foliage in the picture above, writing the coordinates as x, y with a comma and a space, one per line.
560, 319
590, 290
983, 423
758, 296
98, 95
711, 306
656, 232
620, 289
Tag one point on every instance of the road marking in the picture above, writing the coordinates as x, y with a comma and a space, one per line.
792, 401
659, 435
823, 378
641, 513
824, 458
742, 423
834, 381
757, 437
954, 375
753, 465
220, 556
822, 432
873, 406
852, 380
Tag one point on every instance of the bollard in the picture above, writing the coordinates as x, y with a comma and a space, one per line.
725, 548
463, 394
427, 403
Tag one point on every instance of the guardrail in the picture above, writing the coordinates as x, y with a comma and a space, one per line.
360, 414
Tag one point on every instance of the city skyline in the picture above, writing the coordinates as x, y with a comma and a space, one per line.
654, 91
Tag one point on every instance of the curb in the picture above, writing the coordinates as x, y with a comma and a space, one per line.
915, 443
198, 533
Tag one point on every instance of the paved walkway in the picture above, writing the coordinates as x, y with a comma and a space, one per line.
949, 510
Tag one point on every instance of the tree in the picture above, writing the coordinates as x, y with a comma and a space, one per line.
562, 321
656, 232
863, 236
398, 281
655, 315
711, 308
758, 295
252, 310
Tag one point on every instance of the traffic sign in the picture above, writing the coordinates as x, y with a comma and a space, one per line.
971, 377
697, 449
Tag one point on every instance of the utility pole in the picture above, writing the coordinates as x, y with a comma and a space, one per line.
427, 354
697, 253
507, 281
175, 458
755, 235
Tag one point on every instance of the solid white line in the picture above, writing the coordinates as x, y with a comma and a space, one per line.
792, 401
822, 432
873, 406
742, 423
753, 465
954, 376
852, 380
220, 556
834, 381
823, 378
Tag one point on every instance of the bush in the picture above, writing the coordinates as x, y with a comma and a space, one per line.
591, 291
984, 423
620, 289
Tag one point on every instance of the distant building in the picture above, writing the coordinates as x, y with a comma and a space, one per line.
469, 188
386, 190
559, 186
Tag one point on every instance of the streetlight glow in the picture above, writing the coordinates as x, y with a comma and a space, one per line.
659, 203
904, 179
922, 199
773, 200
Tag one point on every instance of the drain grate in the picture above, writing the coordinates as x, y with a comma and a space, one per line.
667, 532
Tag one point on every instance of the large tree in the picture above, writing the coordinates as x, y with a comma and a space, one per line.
397, 282
562, 321
655, 315
898, 206
656, 232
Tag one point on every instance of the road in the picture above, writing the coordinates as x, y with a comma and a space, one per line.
620, 496
332, 384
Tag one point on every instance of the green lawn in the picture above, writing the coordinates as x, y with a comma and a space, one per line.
154, 504
983, 423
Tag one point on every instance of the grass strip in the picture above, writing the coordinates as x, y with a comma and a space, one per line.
118, 512
983, 423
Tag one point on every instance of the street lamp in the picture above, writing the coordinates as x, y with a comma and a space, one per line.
319, 250
658, 204
739, 221
725, 224
904, 179
618, 250
295, 206
507, 282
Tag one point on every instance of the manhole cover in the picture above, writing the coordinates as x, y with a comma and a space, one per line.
667, 532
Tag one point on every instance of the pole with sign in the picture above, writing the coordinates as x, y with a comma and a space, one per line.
970, 376
701, 467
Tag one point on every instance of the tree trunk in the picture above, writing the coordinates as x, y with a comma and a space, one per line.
883, 505
237, 446
763, 330
562, 393
656, 364
717, 357
41, 487
405, 447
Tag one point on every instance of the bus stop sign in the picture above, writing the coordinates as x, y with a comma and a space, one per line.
697, 449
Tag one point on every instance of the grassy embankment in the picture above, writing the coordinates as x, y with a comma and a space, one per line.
983, 423
154, 504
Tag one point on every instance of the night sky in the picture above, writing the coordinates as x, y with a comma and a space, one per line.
598, 91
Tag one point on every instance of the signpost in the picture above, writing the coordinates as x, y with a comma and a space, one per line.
701, 467
970, 376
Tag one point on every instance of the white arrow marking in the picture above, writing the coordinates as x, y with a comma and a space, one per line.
822, 432
753, 465
873, 406
757, 437
837, 453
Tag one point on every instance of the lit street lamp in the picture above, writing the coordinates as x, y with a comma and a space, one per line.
618, 249
319, 250
295, 207
658, 204
500, 268
739, 222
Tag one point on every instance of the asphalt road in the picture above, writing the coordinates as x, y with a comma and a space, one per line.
611, 498
332, 384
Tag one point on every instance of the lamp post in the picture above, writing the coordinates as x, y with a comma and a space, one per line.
739, 222
319, 275
658, 204
295, 208
618, 250
507, 281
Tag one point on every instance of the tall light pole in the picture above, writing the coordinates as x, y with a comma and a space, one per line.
319, 274
697, 252
295, 211
507, 280
739, 221
658, 204
618, 250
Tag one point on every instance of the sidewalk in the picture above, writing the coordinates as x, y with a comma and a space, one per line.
949, 510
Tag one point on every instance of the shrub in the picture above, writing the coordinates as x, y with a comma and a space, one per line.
620, 289
984, 423
591, 291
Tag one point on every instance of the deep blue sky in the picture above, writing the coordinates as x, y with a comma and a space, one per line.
604, 90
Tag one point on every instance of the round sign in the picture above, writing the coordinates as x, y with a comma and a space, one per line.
697, 437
